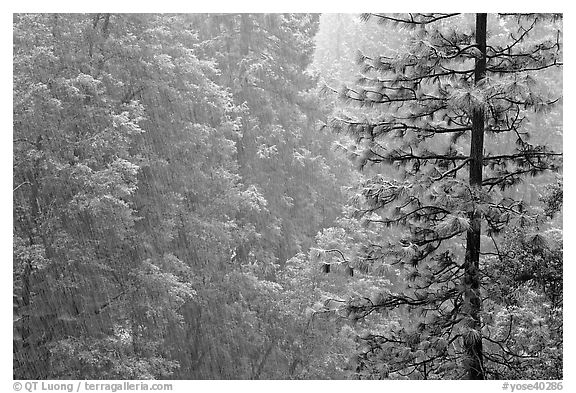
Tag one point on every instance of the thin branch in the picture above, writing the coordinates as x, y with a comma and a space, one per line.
412, 21
20, 185
453, 170
339, 252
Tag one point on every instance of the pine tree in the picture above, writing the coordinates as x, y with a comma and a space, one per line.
445, 125
263, 60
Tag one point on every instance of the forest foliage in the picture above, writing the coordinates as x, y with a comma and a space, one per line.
283, 196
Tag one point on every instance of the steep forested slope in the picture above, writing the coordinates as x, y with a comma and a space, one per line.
287, 196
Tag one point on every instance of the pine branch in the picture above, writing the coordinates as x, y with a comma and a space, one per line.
438, 157
526, 154
412, 21
453, 170
498, 70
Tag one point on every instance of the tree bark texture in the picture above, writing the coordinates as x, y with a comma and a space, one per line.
472, 299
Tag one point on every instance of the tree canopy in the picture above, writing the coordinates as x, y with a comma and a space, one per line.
287, 196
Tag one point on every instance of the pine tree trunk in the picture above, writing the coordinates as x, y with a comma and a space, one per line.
472, 300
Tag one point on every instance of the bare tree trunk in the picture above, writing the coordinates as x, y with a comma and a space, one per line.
472, 300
